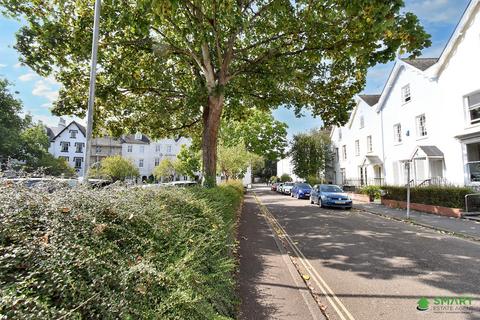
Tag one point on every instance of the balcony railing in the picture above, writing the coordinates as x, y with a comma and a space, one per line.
363, 182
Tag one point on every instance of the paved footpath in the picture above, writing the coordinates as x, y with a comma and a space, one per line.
269, 285
360, 265
461, 227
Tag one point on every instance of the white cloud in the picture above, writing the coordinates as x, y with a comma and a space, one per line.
28, 77
435, 11
17, 65
46, 88
2, 65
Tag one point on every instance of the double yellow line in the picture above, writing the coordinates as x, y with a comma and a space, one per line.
334, 301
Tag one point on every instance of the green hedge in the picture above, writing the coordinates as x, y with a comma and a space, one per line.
118, 253
451, 197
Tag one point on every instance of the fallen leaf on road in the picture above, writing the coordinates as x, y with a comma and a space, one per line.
306, 276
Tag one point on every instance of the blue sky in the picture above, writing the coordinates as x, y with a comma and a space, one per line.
439, 17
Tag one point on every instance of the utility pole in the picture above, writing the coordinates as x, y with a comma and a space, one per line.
408, 189
91, 93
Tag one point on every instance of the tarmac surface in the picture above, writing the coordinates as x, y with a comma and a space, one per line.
296, 258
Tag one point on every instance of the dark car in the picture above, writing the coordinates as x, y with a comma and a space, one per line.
329, 195
301, 190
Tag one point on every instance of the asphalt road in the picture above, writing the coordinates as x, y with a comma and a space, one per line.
368, 267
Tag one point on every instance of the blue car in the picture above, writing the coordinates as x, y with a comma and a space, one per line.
301, 190
329, 195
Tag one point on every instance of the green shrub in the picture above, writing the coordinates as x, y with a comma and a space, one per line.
313, 180
285, 178
118, 252
372, 191
451, 197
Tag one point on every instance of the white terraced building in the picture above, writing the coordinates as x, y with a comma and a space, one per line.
68, 142
428, 115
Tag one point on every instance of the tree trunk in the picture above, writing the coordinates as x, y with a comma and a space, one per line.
211, 124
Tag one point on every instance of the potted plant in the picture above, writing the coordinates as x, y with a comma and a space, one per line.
373, 192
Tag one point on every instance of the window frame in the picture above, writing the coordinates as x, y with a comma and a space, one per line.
129, 148
422, 131
397, 133
73, 134
77, 145
469, 108
75, 162
357, 148
64, 143
344, 152
369, 144
362, 122
406, 94
140, 163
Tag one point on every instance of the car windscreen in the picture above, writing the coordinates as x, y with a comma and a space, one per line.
330, 189
289, 184
304, 186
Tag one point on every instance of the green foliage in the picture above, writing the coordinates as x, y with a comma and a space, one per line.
372, 191
178, 67
11, 124
118, 253
259, 131
311, 153
451, 197
165, 170
313, 180
285, 178
116, 168
233, 161
51, 166
188, 161
274, 179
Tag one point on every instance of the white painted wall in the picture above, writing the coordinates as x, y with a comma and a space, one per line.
352, 132
440, 94
285, 166
56, 150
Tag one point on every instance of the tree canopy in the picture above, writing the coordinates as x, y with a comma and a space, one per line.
311, 154
188, 162
259, 131
170, 67
117, 168
165, 170
11, 124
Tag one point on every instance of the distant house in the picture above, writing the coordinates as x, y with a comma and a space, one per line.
68, 142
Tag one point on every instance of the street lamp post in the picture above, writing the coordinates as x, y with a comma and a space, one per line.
91, 93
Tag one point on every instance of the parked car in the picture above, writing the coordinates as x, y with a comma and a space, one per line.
287, 187
329, 195
301, 190
279, 188
274, 186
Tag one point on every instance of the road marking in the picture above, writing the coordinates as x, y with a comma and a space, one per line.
326, 290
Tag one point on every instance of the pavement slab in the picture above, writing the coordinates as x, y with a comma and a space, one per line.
269, 285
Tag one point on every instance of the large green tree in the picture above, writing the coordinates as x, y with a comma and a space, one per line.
167, 66
259, 131
311, 153
11, 124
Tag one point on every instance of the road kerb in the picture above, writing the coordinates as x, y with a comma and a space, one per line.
326, 291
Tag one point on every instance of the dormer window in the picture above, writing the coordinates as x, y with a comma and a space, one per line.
406, 96
138, 136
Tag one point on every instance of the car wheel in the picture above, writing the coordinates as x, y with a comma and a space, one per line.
320, 202
298, 196
348, 208
311, 200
